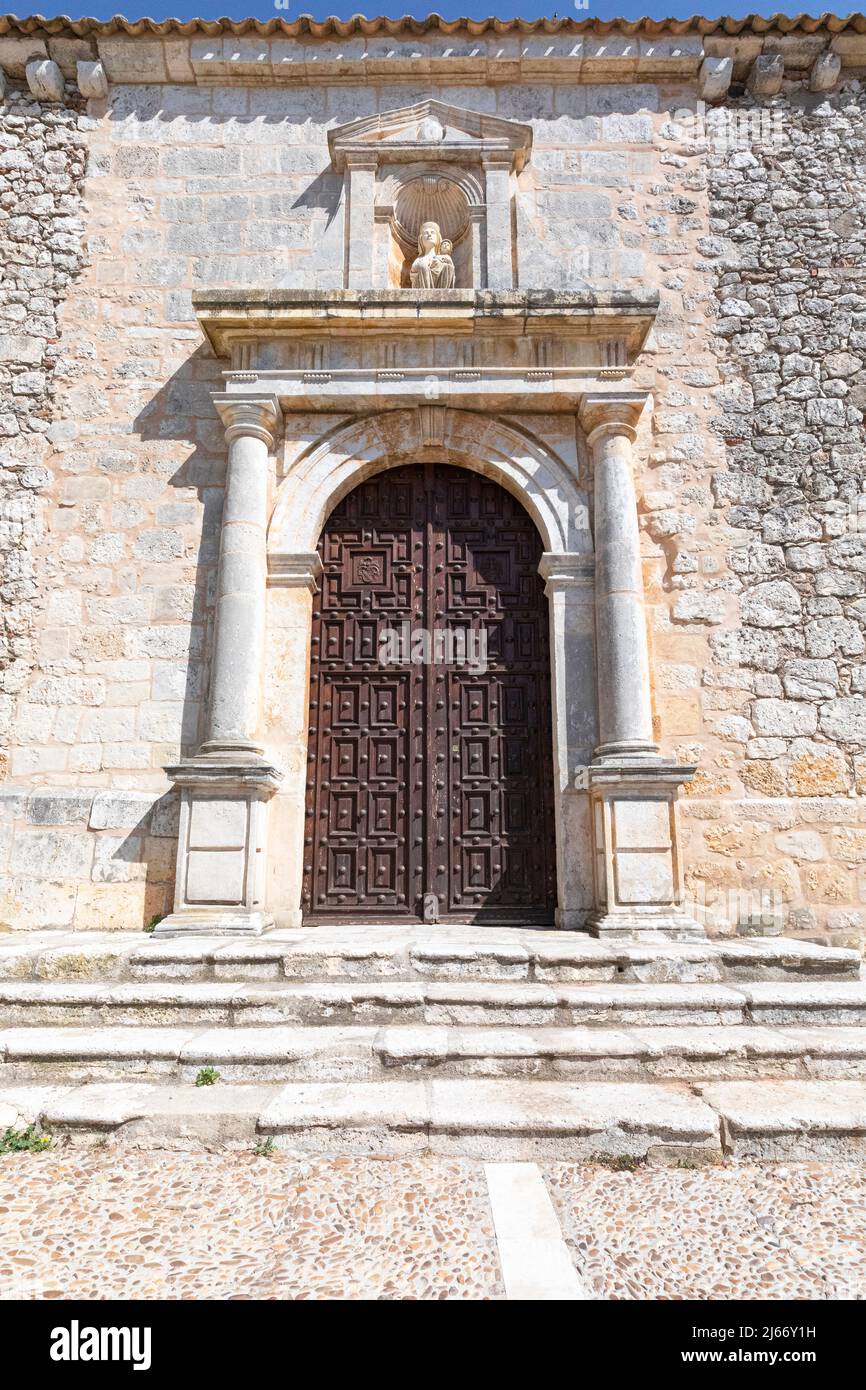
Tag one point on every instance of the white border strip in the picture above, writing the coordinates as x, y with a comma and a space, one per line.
533, 1256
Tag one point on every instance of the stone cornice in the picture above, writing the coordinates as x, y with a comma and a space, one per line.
474, 52
407, 27
230, 316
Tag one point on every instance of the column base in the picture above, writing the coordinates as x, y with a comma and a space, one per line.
638, 877
645, 924
221, 853
218, 922
570, 919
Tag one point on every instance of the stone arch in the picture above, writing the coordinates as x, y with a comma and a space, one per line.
547, 487
513, 457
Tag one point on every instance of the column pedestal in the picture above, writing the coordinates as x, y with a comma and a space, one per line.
224, 790
221, 859
637, 872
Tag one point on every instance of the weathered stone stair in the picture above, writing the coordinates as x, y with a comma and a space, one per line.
486, 1041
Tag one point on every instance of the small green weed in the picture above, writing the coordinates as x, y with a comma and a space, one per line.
620, 1163
28, 1140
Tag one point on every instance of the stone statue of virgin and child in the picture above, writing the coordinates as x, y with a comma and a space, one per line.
433, 268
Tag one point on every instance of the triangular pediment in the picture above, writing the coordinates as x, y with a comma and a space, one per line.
430, 129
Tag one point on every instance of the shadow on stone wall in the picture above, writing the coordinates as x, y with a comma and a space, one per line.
98, 860
181, 632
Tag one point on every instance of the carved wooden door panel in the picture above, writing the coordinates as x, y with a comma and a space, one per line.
430, 779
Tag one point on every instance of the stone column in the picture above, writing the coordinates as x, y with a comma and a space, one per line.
224, 790
239, 638
497, 183
360, 228
624, 710
633, 788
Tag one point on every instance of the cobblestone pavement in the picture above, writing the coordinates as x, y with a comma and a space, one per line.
109, 1224
104, 1224
731, 1233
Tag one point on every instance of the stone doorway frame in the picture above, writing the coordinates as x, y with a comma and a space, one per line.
556, 503
614, 793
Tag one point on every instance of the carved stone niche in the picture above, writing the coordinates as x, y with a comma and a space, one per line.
431, 162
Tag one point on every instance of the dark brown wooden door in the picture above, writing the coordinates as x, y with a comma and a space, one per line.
429, 791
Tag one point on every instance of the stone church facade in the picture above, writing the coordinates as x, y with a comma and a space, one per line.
252, 411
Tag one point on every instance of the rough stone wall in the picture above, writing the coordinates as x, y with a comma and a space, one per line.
785, 256
201, 187
42, 163
747, 465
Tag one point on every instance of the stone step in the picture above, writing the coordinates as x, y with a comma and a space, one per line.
26, 1003
627, 1054
757, 1121
787, 1121
501, 1119
375, 953
286, 1053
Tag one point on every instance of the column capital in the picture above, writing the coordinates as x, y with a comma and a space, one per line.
364, 160
254, 417
617, 413
566, 570
300, 570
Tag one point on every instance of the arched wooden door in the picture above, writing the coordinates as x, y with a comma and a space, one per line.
429, 789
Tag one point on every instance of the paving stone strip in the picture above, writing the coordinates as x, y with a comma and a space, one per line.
533, 1256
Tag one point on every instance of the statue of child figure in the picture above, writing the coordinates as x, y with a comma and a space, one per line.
433, 268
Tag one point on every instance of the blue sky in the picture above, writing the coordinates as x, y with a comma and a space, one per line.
527, 9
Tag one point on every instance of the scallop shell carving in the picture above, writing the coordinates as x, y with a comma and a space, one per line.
430, 198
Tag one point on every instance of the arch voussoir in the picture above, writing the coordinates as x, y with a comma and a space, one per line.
521, 462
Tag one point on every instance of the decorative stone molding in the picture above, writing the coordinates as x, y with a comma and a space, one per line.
566, 571
299, 571
45, 80
419, 133
92, 82
304, 53
330, 467
477, 349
